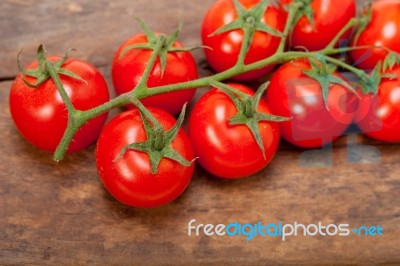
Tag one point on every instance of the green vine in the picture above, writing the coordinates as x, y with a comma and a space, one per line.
77, 118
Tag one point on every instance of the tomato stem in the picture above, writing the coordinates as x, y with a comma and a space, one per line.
141, 91
248, 35
75, 120
294, 8
352, 22
359, 73
135, 94
154, 55
64, 96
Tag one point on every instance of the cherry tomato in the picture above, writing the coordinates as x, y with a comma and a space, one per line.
293, 94
330, 17
225, 47
40, 114
383, 30
129, 178
128, 70
379, 115
229, 151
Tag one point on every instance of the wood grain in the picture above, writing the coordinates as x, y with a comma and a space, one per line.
59, 214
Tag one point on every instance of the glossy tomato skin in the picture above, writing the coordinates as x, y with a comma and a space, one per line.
225, 47
229, 151
293, 94
129, 178
383, 30
330, 16
40, 114
379, 115
128, 70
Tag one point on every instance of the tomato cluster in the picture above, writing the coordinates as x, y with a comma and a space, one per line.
146, 159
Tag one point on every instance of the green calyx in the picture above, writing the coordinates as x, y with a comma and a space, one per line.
158, 143
370, 83
323, 72
298, 9
250, 21
43, 72
154, 40
392, 59
304, 10
247, 110
249, 18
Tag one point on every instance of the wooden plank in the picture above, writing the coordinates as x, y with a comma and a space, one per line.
94, 28
55, 214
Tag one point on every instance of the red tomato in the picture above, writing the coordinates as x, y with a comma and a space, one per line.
40, 114
379, 115
128, 70
293, 94
225, 47
330, 16
383, 30
224, 150
129, 178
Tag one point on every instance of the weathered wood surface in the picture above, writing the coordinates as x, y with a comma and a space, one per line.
53, 214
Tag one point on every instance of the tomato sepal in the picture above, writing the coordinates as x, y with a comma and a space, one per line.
370, 83
42, 73
323, 72
391, 60
249, 19
304, 9
247, 113
167, 44
158, 143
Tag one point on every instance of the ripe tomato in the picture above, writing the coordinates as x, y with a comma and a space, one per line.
229, 151
40, 114
379, 115
293, 94
128, 70
129, 178
383, 30
225, 47
330, 17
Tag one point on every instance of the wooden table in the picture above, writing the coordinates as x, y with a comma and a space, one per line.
54, 214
